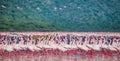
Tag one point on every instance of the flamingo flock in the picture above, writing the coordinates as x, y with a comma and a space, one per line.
58, 43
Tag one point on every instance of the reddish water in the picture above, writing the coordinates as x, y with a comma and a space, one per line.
60, 58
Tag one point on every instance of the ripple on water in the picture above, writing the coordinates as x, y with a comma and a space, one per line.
60, 58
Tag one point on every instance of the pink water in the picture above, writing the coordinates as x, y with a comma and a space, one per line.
60, 58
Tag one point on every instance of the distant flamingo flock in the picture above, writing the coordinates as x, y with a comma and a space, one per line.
59, 43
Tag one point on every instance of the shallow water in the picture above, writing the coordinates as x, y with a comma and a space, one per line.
60, 58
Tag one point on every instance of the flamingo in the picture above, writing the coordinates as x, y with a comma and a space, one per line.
47, 46
95, 47
39, 45
84, 46
62, 46
116, 45
32, 47
8, 48
17, 47
110, 47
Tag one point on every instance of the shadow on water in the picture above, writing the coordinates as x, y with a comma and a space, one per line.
60, 58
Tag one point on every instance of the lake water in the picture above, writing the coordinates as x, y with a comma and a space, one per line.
61, 58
